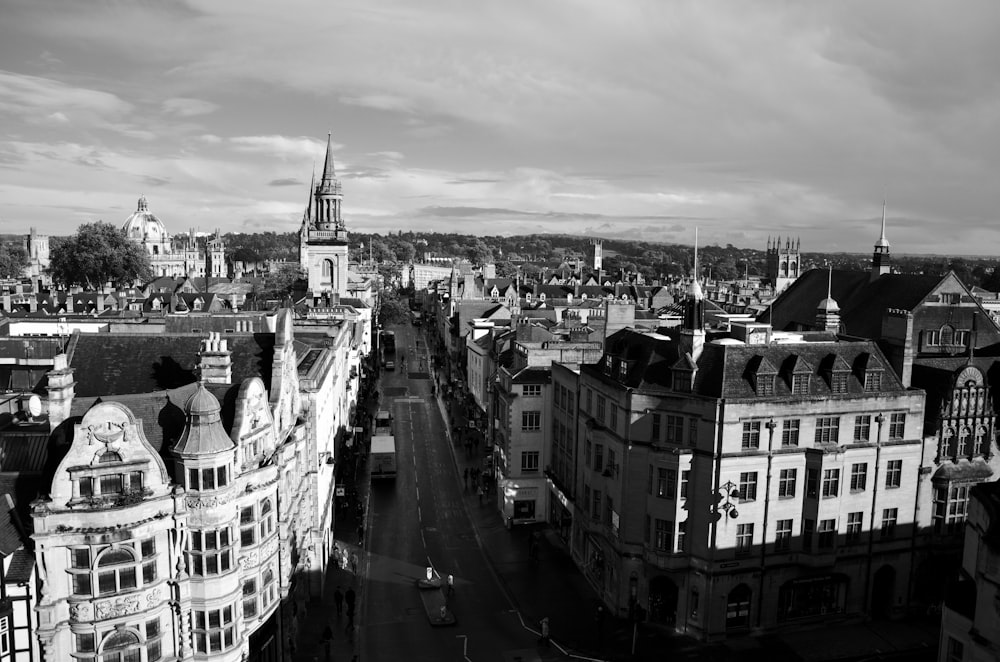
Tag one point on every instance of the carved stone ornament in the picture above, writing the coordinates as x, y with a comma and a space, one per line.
79, 612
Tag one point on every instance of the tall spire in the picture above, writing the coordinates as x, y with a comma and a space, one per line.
328, 170
312, 192
882, 241
880, 257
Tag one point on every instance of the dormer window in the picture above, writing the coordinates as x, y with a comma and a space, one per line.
838, 382
764, 384
623, 370
800, 384
873, 380
608, 362
682, 380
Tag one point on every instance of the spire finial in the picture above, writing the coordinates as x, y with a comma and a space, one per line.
328, 169
829, 281
882, 243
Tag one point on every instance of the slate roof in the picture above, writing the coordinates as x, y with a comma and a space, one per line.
728, 370
114, 364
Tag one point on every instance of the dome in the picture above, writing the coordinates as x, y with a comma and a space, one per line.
882, 243
143, 225
201, 403
829, 305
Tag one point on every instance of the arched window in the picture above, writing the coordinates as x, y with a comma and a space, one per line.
963, 441
108, 457
947, 335
327, 268
738, 607
121, 646
116, 571
266, 519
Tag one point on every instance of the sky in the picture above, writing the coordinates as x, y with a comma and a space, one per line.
638, 119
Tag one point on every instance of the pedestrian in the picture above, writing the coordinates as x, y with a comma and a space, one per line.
479, 493
451, 584
338, 600
361, 533
354, 563
544, 639
465, 477
336, 554
475, 482
343, 559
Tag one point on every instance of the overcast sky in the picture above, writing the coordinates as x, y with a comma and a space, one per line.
620, 118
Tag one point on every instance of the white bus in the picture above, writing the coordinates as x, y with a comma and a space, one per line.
383, 456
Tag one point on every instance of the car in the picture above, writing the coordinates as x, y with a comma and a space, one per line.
390, 365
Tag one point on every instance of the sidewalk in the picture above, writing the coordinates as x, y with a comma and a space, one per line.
552, 586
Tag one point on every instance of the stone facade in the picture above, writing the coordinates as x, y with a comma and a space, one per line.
168, 259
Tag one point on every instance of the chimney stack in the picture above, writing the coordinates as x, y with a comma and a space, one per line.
60, 389
216, 361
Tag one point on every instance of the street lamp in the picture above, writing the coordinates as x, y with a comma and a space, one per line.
729, 487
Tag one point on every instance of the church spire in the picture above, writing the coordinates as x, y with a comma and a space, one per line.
312, 192
329, 173
880, 257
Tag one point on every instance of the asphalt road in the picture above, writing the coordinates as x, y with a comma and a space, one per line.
421, 521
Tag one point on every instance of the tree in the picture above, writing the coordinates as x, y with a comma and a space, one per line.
13, 260
391, 309
280, 282
97, 254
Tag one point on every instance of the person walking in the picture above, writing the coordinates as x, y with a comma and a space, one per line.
336, 555
479, 493
451, 584
544, 638
327, 640
354, 563
338, 601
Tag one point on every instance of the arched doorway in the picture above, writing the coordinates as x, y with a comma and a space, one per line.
883, 587
738, 607
663, 601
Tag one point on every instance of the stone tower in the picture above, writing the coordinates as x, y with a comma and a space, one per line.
881, 261
783, 263
323, 237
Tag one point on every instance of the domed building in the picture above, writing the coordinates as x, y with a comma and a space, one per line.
174, 258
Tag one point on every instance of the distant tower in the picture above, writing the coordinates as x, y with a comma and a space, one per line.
598, 254
783, 263
37, 247
881, 261
323, 243
215, 257
828, 312
692, 331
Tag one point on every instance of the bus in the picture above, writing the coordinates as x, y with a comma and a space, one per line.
383, 454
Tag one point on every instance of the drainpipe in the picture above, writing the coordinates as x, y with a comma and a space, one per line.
767, 501
880, 419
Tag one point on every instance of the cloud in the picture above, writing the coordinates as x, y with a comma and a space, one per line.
188, 107
283, 147
27, 96
380, 102
286, 181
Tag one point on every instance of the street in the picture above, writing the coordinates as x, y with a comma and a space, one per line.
419, 522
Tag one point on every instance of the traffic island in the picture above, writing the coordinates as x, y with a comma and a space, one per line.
435, 603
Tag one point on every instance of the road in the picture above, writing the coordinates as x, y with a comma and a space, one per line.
422, 521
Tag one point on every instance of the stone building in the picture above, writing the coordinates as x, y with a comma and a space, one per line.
184, 523
168, 257
783, 264
323, 235
748, 481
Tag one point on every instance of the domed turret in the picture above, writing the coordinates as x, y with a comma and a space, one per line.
203, 434
143, 227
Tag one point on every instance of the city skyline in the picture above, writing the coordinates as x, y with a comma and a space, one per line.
635, 121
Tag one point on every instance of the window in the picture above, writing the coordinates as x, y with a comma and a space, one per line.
827, 533
111, 484
862, 428
790, 432
893, 473
655, 434
765, 384
831, 483
248, 527
751, 435
897, 425
663, 538
531, 421
956, 651
692, 431
267, 594
838, 382
154, 649
889, 522
85, 643
598, 457
744, 538
121, 646
859, 476
211, 552
827, 429
812, 483
600, 408
685, 479
250, 598
531, 390
681, 535
666, 483
800, 384
748, 486
786, 483
613, 419
808, 526
595, 512
529, 460
214, 630
266, 519
783, 535
963, 441
873, 380
951, 507
854, 527
116, 571
675, 429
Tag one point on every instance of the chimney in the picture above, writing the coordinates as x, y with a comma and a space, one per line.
216, 361
60, 389
618, 315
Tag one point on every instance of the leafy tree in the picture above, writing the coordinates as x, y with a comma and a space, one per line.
99, 253
391, 309
280, 283
246, 254
405, 251
13, 260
